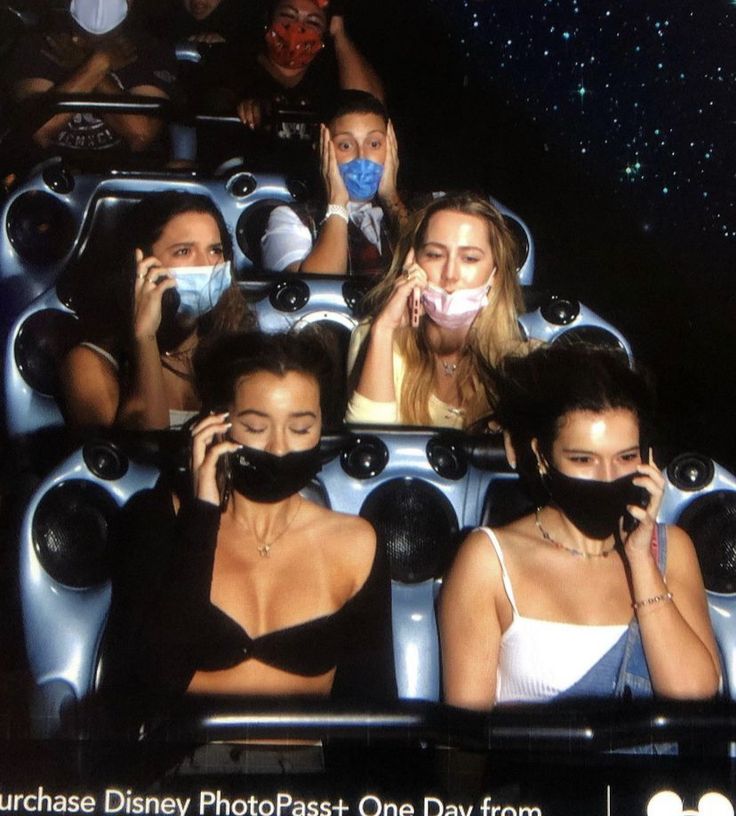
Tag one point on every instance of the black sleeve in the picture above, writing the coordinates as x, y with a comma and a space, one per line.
155, 65
162, 576
30, 60
365, 672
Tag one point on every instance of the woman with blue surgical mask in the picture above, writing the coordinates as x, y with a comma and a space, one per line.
451, 298
353, 231
184, 294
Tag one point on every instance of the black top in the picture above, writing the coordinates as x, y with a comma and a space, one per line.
232, 72
153, 64
234, 20
163, 627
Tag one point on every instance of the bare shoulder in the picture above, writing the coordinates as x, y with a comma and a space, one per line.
345, 539
476, 561
82, 359
681, 555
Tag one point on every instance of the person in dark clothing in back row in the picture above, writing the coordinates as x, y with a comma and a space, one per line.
94, 52
304, 60
205, 21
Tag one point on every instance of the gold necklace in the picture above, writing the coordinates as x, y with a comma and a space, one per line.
264, 549
572, 550
181, 354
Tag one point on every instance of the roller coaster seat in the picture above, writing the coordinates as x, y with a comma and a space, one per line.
420, 489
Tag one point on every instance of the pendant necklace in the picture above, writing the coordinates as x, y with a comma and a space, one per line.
572, 550
264, 549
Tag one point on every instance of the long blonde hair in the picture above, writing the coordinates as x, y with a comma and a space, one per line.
495, 331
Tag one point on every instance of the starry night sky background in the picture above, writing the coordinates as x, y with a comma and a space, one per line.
611, 129
642, 92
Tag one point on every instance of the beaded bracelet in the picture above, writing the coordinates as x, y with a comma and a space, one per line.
665, 597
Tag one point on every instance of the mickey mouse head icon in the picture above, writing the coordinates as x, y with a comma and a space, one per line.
668, 803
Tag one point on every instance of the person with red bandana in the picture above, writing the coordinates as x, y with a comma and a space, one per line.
306, 57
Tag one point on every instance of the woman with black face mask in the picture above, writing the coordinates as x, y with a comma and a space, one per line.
247, 586
588, 596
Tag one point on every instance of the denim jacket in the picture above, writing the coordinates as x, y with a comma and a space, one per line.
622, 671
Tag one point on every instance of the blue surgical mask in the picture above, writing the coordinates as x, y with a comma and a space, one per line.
361, 177
200, 287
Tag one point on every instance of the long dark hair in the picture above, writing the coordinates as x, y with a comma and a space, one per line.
531, 395
148, 219
219, 369
146, 223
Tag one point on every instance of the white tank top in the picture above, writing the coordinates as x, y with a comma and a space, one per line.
537, 658
102, 352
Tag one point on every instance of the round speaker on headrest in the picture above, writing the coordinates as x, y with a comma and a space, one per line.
560, 311
241, 185
41, 228
691, 471
70, 531
105, 460
58, 178
289, 295
41, 343
447, 457
365, 457
710, 520
591, 335
355, 289
298, 189
417, 526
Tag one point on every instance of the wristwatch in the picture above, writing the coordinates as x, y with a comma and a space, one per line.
336, 209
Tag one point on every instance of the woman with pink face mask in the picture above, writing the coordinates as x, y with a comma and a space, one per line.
451, 297
304, 58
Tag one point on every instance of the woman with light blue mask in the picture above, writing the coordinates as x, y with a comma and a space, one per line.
184, 294
356, 231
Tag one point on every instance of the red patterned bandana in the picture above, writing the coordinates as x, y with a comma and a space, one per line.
292, 45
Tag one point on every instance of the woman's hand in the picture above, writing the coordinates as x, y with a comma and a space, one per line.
250, 113
151, 281
207, 447
335, 188
387, 188
639, 541
397, 312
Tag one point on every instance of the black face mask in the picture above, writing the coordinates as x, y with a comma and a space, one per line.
263, 477
595, 508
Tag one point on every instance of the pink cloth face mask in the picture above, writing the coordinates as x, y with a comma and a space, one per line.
458, 309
